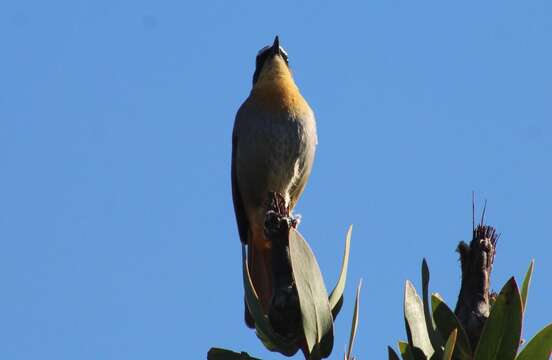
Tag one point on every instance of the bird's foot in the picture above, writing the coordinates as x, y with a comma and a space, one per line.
295, 220
277, 219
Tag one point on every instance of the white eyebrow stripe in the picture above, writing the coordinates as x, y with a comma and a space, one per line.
268, 47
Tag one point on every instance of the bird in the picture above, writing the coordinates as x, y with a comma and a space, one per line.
274, 140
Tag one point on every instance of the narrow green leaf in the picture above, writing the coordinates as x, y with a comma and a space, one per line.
316, 314
354, 324
415, 321
270, 339
336, 296
392, 354
223, 354
410, 353
449, 346
436, 340
446, 323
540, 346
406, 351
502, 331
526, 283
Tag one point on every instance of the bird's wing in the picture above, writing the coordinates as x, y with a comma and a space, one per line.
241, 216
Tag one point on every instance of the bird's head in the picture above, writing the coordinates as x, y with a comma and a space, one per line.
271, 62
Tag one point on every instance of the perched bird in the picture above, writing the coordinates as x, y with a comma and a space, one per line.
273, 146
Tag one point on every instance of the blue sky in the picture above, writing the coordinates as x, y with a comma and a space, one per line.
116, 222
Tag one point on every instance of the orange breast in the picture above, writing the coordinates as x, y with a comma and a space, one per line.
279, 95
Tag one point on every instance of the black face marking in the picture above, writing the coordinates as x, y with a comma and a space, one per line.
263, 55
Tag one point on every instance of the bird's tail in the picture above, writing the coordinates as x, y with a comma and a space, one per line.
259, 260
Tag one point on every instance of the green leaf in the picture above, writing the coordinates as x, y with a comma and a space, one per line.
449, 346
223, 354
336, 296
436, 341
502, 331
354, 324
446, 323
316, 314
540, 346
415, 321
270, 339
392, 354
406, 351
526, 283
410, 353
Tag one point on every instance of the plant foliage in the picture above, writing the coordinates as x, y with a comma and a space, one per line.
499, 340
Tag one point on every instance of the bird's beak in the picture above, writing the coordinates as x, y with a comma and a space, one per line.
276, 46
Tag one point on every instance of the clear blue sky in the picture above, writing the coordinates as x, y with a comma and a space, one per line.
117, 231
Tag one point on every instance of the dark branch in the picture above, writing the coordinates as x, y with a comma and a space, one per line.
473, 306
284, 312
